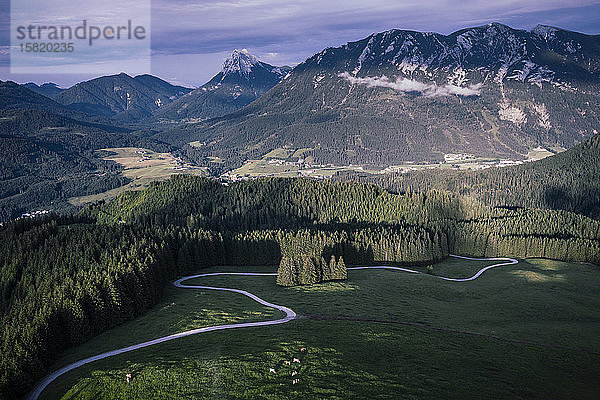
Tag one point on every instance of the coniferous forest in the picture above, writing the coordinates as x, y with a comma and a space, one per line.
567, 181
65, 279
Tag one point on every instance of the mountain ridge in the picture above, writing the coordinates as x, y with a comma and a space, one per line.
242, 79
398, 96
48, 89
121, 97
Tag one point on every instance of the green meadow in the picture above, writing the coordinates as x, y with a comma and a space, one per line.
530, 331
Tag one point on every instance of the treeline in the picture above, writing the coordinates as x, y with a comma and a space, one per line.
64, 280
200, 248
301, 203
296, 204
279, 203
567, 181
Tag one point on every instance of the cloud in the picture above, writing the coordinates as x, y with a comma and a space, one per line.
404, 85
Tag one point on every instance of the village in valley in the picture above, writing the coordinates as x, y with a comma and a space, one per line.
292, 162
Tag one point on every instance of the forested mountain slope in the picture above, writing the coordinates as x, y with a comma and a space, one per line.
14, 96
48, 89
121, 97
47, 158
18, 97
566, 181
399, 95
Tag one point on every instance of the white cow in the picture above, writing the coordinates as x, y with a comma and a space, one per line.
296, 360
272, 370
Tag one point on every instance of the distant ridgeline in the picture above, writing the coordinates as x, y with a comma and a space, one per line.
399, 95
65, 279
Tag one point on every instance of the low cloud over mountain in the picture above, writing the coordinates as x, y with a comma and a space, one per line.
404, 85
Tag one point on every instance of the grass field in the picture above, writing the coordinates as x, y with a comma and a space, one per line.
266, 167
530, 330
283, 162
142, 166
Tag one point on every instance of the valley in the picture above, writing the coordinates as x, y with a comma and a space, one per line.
141, 167
289, 162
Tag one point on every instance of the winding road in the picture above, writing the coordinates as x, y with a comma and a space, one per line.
289, 314
510, 261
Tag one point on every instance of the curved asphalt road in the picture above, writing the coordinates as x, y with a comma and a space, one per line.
289, 315
509, 261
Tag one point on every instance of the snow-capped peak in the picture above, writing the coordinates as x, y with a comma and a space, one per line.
544, 31
240, 61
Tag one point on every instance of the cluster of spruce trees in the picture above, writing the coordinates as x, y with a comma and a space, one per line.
66, 279
307, 269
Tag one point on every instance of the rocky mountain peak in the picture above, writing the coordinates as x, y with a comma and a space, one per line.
240, 62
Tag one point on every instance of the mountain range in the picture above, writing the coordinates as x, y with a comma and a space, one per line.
243, 79
121, 97
396, 96
148, 99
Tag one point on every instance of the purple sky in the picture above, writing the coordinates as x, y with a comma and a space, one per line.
190, 38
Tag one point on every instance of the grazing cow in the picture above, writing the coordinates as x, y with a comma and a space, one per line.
294, 373
271, 370
295, 381
128, 377
296, 360
286, 362
303, 349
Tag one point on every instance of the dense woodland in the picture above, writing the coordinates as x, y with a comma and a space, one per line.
567, 181
47, 159
66, 279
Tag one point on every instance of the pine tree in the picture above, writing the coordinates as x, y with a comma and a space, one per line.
285, 272
340, 271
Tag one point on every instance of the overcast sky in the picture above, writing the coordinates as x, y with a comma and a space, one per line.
191, 38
